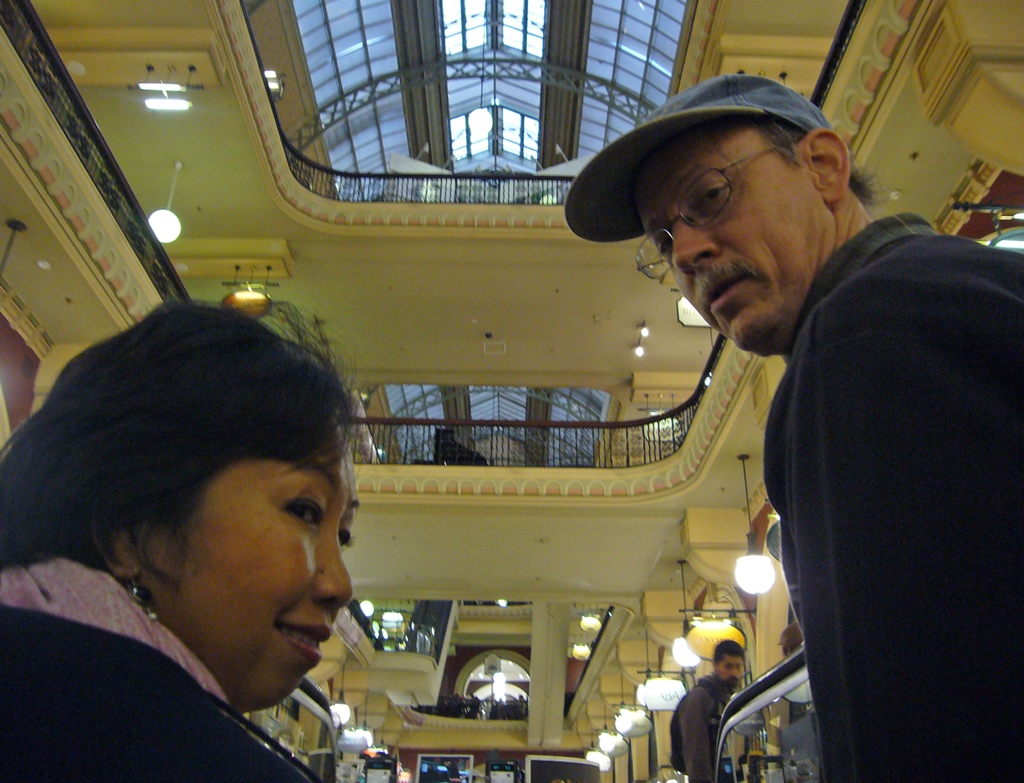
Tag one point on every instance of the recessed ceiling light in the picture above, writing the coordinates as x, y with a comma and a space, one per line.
42, 263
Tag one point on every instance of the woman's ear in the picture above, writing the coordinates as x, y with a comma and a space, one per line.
121, 555
827, 158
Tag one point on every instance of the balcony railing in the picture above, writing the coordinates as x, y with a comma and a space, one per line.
491, 188
28, 37
544, 444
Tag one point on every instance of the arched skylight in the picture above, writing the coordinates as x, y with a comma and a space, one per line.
493, 59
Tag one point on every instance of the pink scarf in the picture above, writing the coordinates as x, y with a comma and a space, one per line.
84, 595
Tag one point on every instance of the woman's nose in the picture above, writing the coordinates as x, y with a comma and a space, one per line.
332, 583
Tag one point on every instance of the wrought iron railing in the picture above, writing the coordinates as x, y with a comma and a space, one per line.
28, 37
492, 188
546, 444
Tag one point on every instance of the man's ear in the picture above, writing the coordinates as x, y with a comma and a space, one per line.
827, 158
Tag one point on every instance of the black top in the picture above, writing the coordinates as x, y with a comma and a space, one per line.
895, 457
81, 704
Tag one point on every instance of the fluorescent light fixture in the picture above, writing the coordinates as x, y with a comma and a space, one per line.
162, 86
168, 104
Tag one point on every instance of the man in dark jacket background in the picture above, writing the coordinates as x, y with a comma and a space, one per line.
695, 722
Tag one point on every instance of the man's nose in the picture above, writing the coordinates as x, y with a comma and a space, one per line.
692, 246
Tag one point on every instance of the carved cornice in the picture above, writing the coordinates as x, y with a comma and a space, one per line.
60, 184
315, 211
734, 370
881, 30
973, 188
708, 21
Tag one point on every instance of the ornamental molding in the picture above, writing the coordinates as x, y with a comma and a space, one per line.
58, 183
873, 50
732, 374
307, 208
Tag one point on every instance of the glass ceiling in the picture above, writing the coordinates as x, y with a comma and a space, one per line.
494, 121
499, 446
504, 403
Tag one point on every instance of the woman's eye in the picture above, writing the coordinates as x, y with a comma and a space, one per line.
306, 510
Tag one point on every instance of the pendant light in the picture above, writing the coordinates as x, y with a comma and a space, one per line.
165, 224
681, 651
755, 573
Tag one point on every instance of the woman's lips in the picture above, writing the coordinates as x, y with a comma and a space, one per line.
306, 641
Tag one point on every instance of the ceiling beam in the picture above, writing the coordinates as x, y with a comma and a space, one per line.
567, 34
626, 102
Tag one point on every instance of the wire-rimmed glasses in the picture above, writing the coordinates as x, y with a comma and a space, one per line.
699, 203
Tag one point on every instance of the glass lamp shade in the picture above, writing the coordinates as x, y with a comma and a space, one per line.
165, 225
661, 693
255, 304
683, 655
755, 574
355, 740
341, 713
604, 763
750, 725
612, 744
632, 722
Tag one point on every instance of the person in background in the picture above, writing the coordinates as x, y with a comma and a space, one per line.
791, 638
894, 449
695, 722
172, 522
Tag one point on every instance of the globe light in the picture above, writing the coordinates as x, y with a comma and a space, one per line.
341, 713
632, 722
755, 574
612, 744
683, 655
604, 763
480, 122
165, 225
366, 607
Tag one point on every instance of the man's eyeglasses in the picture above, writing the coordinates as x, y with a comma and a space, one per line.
698, 204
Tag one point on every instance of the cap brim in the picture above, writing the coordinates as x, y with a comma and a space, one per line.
600, 205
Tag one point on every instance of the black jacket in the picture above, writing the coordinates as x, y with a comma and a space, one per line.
81, 704
894, 455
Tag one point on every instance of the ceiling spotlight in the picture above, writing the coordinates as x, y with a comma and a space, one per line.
590, 622
644, 331
581, 652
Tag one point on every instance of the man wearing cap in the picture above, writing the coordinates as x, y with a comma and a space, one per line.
894, 450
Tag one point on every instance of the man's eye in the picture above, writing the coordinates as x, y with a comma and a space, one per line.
707, 199
306, 510
345, 538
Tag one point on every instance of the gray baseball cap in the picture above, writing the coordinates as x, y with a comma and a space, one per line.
600, 204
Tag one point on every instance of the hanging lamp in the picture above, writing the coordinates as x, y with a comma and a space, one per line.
755, 573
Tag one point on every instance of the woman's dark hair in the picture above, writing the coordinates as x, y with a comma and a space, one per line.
136, 426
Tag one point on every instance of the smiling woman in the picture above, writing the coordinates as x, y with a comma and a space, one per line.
171, 529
